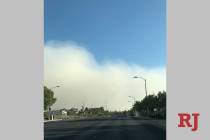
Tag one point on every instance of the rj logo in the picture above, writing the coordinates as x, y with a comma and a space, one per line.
185, 120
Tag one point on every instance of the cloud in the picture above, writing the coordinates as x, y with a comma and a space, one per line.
86, 82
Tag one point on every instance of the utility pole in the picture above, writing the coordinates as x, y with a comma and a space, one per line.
145, 86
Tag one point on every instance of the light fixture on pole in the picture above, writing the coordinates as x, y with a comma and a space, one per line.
54, 87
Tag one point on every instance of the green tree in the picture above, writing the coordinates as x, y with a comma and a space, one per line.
152, 105
150, 102
147, 104
161, 96
162, 104
49, 98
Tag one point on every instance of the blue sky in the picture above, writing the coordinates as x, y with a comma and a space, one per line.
133, 31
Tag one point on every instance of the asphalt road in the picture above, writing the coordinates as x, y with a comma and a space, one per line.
106, 129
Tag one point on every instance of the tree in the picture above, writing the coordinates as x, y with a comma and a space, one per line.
161, 99
149, 103
49, 98
161, 104
152, 105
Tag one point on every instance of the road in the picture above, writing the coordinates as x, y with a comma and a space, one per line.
118, 128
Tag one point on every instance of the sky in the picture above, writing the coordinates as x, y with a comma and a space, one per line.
134, 30
93, 48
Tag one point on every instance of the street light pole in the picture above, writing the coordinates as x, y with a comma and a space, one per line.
51, 116
145, 83
134, 99
50, 98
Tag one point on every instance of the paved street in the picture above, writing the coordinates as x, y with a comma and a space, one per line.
106, 129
